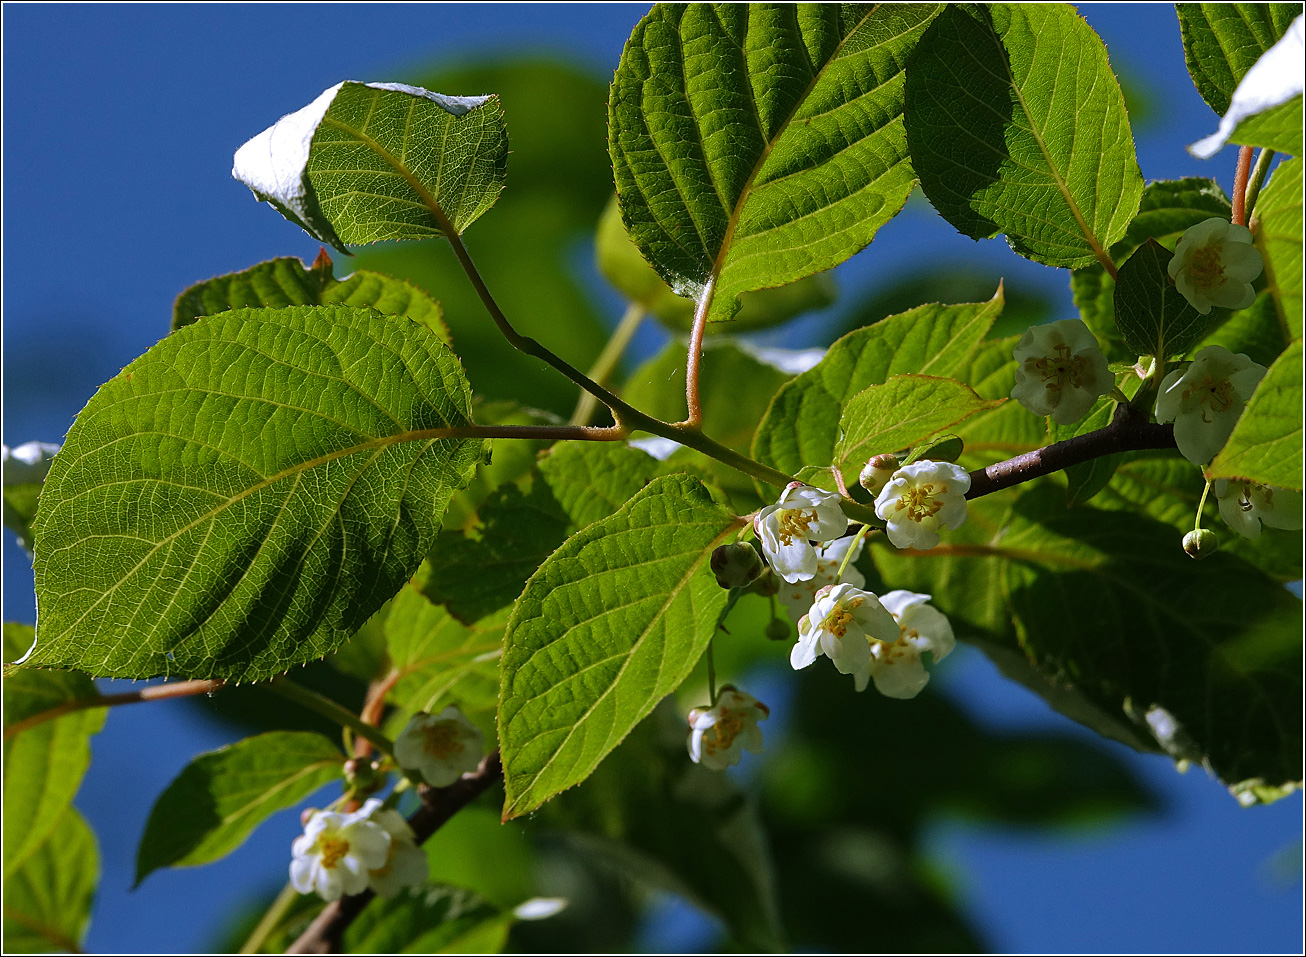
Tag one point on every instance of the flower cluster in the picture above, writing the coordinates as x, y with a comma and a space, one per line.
719, 735
342, 854
1061, 372
1204, 400
442, 748
896, 666
1214, 265
797, 597
1245, 506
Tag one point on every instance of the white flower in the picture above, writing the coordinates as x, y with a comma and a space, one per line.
1245, 506
1214, 265
877, 472
803, 515
797, 597
405, 864
1205, 399
896, 666
441, 747
718, 736
841, 624
920, 499
335, 853
1062, 371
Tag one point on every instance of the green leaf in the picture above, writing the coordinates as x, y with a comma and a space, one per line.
1007, 430
1167, 209
591, 480
285, 282
1154, 317
1222, 41
434, 919
511, 460
609, 625
1266, 444
25, 468
437, 657
1278, 234
1085, 480
1279, 128
222, 796
661, 819
904, 411
801, 426
1257, 331
246, 494
734, 388
48, 899
1012, 135
622, 265
366, 162
754, 145
44, 764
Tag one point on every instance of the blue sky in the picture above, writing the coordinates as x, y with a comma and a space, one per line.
119, 126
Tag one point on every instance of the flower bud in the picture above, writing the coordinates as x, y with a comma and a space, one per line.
778, 630
1200, 543
877, 472
736, 565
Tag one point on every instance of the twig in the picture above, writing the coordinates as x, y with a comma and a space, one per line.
180, 689
331, 711
1241, 173
326, 934
1255, 182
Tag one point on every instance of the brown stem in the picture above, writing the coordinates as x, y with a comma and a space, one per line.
1240, 176
1129, 431
326, 934
373, 708
181, 689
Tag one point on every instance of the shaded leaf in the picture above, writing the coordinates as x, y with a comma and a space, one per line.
1222, 41
611, 623
801, 426
222, 796
1010, 135
1266, 444
48, 899
371, 161
434, 919
246, 494
1154, 317
754, 145
1257, 331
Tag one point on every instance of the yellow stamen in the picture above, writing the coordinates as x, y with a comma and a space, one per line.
1060, 369
794, 522
333, 849
442, 739
1206, 267
919, 502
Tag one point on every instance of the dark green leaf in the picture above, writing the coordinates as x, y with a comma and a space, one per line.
754, 145
1266, 444
1278, 234
511, 460
221, 797
1257, 331
1154, 317
285, 282
246, 494
610, 624
801, 425
48, 899
371, 161
1085, 480
1168, 208
1012, 135
435, 919
1222, 41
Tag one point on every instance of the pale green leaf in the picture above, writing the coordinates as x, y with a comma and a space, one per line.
1279, 128
591, 480
366, 162
221, 797
801, 425
1222, 41
901, 412
756, 144
1266, 444
48, 899
609, 625
285, 282
1167, 209
1154, 317
1013, 134
1277, 229
1007, 430
246, 494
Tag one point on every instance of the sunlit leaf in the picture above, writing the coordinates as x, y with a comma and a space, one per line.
48, 898
1266, 444
246, 494
1222, 41
1278, 234
1012, 135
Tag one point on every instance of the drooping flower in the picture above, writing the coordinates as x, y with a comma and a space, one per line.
1214, 265
405, 864
896, 666
442, 748
842, 624
335, 854
920, 499
787, 529
1062, 371
1245, 506
1205, 399
719, 736
797, 597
